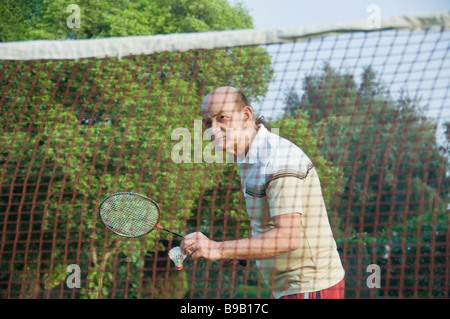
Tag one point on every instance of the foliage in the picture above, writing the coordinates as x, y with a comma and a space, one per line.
76, 131
411, 257
393, 177
47, 19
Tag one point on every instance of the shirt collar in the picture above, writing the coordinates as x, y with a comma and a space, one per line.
253, 151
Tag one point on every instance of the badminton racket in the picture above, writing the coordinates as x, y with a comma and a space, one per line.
132, 215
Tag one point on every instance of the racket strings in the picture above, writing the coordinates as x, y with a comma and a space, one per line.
129, 214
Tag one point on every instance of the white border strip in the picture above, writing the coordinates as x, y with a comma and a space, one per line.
137, 45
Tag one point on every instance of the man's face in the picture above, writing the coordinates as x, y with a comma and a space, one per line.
224, 119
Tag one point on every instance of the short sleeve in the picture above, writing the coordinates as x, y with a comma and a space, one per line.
284, 195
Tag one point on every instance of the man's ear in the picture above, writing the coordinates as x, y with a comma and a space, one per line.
248, 112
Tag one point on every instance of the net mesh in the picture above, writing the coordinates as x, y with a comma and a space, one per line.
371, 110
128, 214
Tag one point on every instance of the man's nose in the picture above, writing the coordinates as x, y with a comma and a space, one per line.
215, 127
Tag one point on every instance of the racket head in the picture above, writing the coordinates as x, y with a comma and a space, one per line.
129, 214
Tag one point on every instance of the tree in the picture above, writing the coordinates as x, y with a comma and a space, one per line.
47, 19
387, 148
392, 171
75, 131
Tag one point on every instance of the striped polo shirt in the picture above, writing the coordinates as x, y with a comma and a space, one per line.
277, 177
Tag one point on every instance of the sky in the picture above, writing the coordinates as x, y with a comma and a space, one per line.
269, 14
276, 14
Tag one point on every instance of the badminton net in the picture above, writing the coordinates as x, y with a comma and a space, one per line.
83, 119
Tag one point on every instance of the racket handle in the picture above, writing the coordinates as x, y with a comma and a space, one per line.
169, 231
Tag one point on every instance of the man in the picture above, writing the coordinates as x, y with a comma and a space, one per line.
291, 241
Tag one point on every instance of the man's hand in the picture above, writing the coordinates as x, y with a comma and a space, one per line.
198, 246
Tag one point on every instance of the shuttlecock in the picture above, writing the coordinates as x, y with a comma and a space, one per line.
177, 257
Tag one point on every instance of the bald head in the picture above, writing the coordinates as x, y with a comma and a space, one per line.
226, 95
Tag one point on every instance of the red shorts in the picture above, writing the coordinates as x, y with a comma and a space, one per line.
334, 292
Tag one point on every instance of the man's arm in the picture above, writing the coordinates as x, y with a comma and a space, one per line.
283, 238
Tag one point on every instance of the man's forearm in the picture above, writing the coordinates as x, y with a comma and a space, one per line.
267, 245
283, 238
